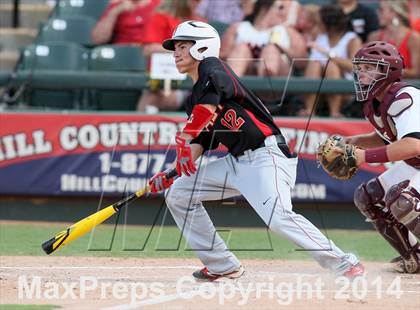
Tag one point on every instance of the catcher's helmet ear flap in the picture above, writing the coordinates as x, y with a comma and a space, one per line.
389, 66
206, 39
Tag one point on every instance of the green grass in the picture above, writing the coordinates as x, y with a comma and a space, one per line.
28, 307
143, 241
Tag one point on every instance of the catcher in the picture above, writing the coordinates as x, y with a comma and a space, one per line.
392, 200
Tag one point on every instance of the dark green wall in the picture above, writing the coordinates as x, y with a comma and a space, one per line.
147, 211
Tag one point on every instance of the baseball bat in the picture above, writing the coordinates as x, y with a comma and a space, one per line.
85, 225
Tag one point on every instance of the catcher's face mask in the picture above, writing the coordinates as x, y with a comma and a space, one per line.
376, 65
369, 76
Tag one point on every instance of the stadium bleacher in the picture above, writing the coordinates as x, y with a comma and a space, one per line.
31, 13
66, 56
64, 31
75, 29
116, 58
90, 8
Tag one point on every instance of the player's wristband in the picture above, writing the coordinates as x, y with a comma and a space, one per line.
376, 155
199, 118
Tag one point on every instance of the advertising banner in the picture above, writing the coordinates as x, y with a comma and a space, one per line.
93, 154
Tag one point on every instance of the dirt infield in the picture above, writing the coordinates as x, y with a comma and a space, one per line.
127, 283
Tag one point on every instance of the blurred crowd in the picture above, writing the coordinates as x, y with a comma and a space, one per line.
277, 38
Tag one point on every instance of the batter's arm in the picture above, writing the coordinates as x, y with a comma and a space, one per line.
196, 150
200, 117
365, 141
211, 108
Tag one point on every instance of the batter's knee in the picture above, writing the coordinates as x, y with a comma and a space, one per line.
181, 196
367, 196
404, 203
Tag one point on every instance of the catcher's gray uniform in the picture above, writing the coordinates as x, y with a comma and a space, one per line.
265, 177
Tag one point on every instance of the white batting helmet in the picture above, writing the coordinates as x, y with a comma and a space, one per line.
203, 35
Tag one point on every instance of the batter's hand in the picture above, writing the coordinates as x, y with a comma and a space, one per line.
160, 182
184, 162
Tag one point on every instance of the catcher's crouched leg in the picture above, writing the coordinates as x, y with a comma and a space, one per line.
369, 198
404, 203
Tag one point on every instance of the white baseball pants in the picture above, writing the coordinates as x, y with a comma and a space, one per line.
265, 177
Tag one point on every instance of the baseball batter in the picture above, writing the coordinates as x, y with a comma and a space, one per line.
259, 164
391, 201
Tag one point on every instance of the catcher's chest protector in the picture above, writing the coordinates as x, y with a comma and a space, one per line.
382, 119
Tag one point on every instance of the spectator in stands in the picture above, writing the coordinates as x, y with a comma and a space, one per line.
394, 18
363, 18
291, 12
123, 22
225, 11
163, 22
331, 53
308, 23
261, 36
415, 14
160, 27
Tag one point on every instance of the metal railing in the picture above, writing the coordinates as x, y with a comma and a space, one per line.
134, 81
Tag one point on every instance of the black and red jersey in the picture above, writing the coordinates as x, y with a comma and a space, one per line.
242, 120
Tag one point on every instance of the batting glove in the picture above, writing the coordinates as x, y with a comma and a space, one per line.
160, 182
184, 162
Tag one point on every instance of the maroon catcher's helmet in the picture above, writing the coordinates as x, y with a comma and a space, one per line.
389, 65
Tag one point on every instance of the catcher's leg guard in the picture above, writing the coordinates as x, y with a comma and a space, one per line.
404, 203
368, 198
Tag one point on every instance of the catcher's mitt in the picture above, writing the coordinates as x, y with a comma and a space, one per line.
337, 158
